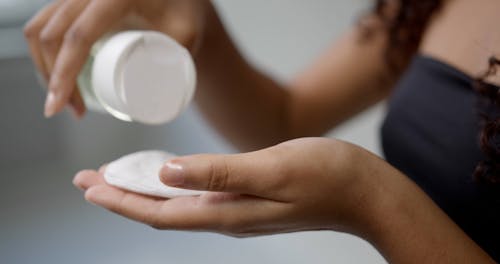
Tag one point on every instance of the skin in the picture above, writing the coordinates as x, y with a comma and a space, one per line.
302, 184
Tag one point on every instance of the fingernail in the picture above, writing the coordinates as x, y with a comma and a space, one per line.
50, 105
172, 174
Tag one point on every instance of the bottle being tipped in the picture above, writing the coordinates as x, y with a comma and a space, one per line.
140, 76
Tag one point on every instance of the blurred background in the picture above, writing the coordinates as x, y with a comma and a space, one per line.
44, 219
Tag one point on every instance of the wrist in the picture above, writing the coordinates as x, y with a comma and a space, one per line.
361, 191
376, 181
405, 225
214, 50
211, 30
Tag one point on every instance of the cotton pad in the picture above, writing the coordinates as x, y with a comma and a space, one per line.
139, 172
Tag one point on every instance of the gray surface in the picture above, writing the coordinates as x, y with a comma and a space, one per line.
24, 134
44, 219
15, 12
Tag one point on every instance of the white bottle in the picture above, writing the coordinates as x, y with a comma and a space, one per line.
141, 76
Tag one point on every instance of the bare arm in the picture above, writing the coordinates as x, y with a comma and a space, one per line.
245, 105
254, 111
406, 226
303, 184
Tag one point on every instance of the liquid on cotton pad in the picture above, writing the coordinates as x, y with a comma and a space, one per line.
139, 172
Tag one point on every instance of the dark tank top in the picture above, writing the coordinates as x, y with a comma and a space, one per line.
431, 133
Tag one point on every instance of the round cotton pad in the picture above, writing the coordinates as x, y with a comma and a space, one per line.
139, 172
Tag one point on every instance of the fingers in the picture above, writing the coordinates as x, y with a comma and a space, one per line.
53, 32
32, 33
228, 213
179, 213
51, 38
60, 37
250, 173
77, 103
102, 168
134, 206
97, 18
233, 215
88, 178
44, 34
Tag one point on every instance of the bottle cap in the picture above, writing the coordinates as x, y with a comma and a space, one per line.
143, 76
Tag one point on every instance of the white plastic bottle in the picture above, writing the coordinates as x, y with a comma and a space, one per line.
141, 76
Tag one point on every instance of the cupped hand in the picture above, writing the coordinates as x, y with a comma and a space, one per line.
304, 184
61, 34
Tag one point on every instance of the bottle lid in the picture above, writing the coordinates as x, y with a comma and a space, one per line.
143, 76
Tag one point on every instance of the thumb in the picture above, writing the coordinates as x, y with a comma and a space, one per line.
238, 173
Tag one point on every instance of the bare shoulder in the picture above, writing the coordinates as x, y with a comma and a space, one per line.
465, 35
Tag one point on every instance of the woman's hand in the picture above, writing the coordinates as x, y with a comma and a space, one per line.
61, 34
304, 184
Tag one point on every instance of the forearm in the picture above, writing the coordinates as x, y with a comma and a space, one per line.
406, 226
243, 104
253, 111
345, 80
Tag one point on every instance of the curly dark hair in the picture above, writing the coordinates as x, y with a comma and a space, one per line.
405, 30
488, 170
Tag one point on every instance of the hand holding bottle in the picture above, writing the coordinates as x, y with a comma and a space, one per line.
61, 34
